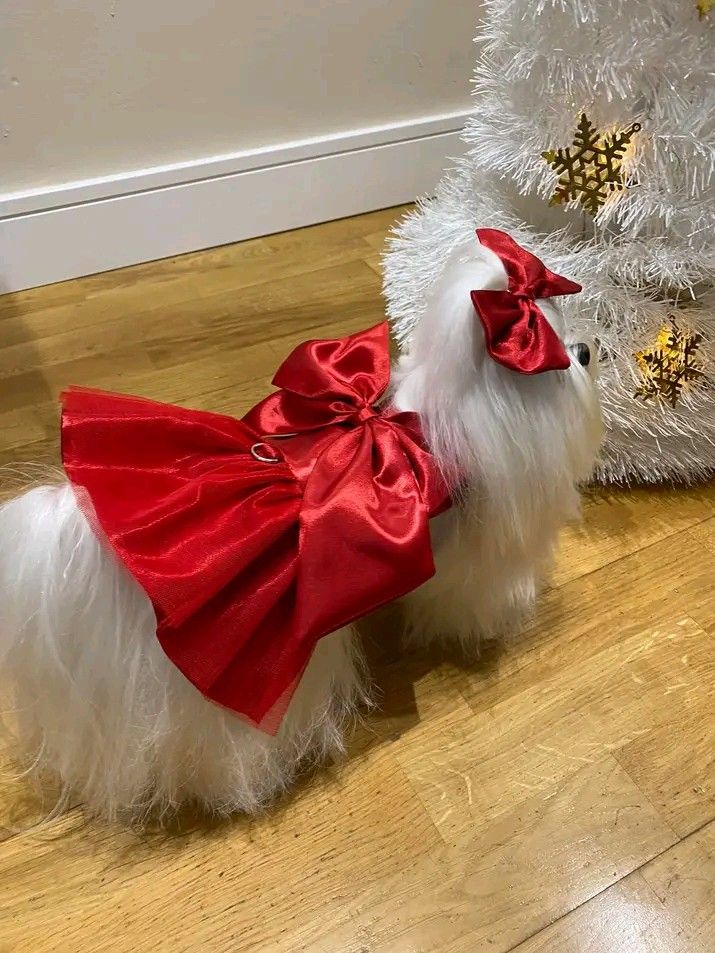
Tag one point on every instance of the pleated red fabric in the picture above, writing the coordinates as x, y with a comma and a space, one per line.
254, 538
516, 331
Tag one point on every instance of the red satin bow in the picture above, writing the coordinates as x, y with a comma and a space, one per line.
516, 331
248, 563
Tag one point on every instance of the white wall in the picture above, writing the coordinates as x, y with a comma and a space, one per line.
104, 88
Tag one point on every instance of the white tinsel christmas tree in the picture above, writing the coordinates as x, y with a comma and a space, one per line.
593, 143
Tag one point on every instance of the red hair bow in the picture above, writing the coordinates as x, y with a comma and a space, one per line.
515, 328
251, 550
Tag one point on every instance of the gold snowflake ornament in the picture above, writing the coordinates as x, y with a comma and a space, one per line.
669, 365
591, 169
704, 7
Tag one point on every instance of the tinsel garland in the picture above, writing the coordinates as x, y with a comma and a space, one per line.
643, 260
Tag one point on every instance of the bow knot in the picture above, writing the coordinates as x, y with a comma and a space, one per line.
516, 331
365, 413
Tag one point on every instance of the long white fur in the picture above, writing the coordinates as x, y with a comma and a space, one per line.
99, 708
515, 448
102, 710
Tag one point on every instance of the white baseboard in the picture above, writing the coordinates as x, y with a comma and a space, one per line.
80, 228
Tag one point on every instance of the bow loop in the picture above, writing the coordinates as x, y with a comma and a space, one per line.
516, 331
326, 381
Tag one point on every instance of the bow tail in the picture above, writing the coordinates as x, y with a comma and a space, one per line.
364, 529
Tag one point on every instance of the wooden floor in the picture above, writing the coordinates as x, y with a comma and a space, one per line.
559, 796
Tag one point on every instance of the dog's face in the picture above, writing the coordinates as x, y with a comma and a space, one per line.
525, 440
581, 379
579, 403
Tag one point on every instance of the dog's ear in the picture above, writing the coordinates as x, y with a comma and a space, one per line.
448, 338
446, 373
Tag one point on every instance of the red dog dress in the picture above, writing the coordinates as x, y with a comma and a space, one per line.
255, 537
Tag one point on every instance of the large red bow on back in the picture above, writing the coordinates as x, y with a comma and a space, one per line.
369, 483
516, 331
249, 562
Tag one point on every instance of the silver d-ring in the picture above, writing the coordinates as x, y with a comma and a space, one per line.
259, 456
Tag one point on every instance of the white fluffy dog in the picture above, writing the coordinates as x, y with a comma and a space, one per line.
100, 708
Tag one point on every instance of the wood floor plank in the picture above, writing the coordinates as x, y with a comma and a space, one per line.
666, 907
618, 522
337, 232
473, 766
476, 891
702, 608
22, 426
24, 389
674, 764
683, 879
625, 918
279, 883
647, 589
494, 885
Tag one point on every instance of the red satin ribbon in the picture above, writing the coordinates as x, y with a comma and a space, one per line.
516, 331
249, 563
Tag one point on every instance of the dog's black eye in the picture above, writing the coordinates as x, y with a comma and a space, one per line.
583, 354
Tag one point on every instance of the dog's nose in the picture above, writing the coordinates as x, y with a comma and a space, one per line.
583, 354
